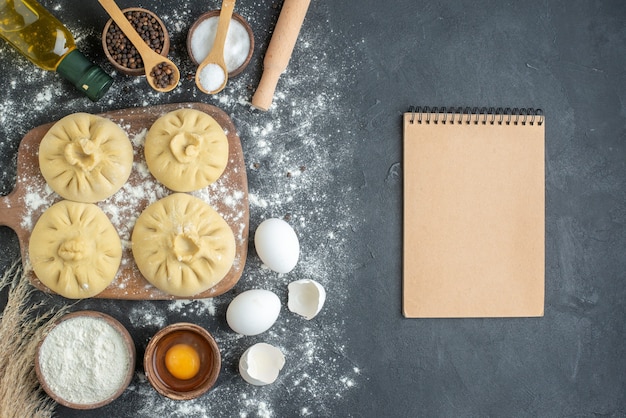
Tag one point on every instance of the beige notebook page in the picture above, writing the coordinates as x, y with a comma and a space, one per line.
474, 216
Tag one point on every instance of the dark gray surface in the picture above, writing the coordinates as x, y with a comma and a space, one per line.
566, 58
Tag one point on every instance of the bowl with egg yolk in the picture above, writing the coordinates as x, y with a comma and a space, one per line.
182, 361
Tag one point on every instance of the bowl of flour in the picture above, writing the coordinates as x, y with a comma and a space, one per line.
86, 361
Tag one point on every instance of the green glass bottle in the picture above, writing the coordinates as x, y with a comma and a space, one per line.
45, 41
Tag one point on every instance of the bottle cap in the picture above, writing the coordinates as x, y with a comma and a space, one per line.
86, 76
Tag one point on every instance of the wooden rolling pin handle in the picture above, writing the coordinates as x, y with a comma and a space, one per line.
279, 50
264, 93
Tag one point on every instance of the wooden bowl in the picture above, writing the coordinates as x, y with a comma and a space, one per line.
134, 71
127, 341
215, 14
159, 376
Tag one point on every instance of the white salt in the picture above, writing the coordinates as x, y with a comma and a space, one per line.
236, 45
212, 77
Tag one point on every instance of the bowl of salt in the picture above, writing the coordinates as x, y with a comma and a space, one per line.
238, 46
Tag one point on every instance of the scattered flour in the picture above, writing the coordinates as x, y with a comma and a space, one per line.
294, 154
198, 307
145, 314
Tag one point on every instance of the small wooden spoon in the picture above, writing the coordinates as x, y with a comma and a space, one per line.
151, 60
214, 62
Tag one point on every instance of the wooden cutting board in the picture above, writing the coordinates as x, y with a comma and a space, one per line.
31, 196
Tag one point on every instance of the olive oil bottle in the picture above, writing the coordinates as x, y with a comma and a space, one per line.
45, 41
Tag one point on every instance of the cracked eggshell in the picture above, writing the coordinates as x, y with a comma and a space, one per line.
277, 245
261, 363
253, 311
306, 297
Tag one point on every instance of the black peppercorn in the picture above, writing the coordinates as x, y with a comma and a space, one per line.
123, 51
163, 75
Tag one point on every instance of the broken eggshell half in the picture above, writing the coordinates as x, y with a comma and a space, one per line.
261, 363
306, 298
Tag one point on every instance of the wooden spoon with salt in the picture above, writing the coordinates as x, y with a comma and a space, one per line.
212, 74
161, 73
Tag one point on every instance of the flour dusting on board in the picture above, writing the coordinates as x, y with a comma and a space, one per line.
294, 173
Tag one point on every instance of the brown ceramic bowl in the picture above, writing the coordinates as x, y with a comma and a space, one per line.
214, 14
134, 71
167, 384
127, 341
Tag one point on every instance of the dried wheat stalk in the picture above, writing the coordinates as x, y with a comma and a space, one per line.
22, 326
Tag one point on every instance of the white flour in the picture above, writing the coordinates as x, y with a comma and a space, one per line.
296, 157
84, 360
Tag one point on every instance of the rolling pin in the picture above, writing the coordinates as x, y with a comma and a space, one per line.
279, 50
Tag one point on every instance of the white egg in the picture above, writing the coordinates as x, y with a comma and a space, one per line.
277, 245
260, 364
253, 311
306, 297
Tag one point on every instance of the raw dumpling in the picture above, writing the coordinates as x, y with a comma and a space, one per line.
74, 249
85, 158
186, 150
182, 245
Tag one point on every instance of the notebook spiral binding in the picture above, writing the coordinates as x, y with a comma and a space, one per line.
483, 115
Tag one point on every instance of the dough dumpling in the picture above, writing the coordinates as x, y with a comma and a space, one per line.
186, 150
182, 245
74, 249
85, 158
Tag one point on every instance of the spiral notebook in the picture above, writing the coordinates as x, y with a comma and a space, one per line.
474, 213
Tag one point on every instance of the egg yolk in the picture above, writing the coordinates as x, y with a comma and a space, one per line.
182, 361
